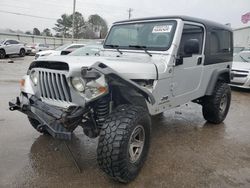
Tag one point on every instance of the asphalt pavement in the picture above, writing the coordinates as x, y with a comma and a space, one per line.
185, 151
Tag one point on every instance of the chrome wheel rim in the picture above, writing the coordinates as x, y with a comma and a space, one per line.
223, 103
136, 143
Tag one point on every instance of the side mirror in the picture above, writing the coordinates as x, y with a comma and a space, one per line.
191, 46
7, 43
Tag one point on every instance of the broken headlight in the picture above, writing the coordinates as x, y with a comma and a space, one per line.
78, 84
95, 88
90, 88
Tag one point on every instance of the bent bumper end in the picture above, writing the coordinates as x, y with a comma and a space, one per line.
50, 118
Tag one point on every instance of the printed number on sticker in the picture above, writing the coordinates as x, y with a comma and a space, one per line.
162, 29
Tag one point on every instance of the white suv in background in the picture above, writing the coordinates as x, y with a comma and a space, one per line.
11, 47
38, 47
241, 70
61, 50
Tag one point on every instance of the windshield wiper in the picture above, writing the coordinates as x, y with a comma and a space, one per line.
141, 47
115, 47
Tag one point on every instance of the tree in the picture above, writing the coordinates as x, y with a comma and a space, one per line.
98, 25
95, 27
36, 31
47, 32
79, 25
28, 33
63, 26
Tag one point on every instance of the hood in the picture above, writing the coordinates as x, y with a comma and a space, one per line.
129, 67
241, 66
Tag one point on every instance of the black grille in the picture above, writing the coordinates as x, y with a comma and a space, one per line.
54, 65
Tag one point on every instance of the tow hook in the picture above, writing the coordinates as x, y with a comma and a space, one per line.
15, 106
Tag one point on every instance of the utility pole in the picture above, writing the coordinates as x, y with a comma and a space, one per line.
73, 23
129, 13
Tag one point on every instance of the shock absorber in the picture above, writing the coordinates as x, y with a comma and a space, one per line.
102, 110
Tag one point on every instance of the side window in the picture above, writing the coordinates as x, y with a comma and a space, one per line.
7, 42
13, 42
191, 32
220, 41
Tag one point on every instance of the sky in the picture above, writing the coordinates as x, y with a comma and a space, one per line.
222, 11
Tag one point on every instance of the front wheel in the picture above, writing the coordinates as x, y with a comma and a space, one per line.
124, 142
215, 107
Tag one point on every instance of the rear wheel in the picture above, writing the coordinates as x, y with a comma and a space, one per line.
215, 107
22, 52
124, 142
2, 54
36, 125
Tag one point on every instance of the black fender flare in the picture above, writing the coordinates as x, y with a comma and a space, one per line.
220, 74
113, 75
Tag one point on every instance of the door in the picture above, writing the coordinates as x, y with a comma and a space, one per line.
188, 68
8, 47
16, 46
12, 47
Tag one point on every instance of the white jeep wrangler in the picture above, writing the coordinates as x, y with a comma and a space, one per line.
147, 66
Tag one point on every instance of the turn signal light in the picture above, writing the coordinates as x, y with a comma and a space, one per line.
22, 82
102, 89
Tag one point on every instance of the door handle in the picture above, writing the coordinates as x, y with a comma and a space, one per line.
199, 61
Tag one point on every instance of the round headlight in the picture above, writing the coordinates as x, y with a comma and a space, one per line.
78, 84
34, 77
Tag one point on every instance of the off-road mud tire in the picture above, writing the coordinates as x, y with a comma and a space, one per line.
211, 105
113, 148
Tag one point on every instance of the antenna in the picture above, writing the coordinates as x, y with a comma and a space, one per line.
129, 13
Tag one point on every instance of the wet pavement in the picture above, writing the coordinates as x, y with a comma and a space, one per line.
185, 150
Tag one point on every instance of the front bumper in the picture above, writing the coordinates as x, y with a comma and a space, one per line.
58, 122
241, 79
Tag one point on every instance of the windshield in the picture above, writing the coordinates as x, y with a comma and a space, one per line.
1, 41
150, 35
87, 50
243, 56
60, 48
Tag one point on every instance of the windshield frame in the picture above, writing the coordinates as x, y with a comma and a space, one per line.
174, 22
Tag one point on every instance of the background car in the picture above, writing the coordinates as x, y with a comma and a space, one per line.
88, 50
37, 47
62, 50
241, 70
11, 47
240, 49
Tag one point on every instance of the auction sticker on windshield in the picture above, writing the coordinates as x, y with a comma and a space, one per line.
162, 29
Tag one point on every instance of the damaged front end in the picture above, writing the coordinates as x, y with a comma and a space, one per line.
61, 100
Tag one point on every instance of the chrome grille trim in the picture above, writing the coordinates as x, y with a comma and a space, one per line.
54, 86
